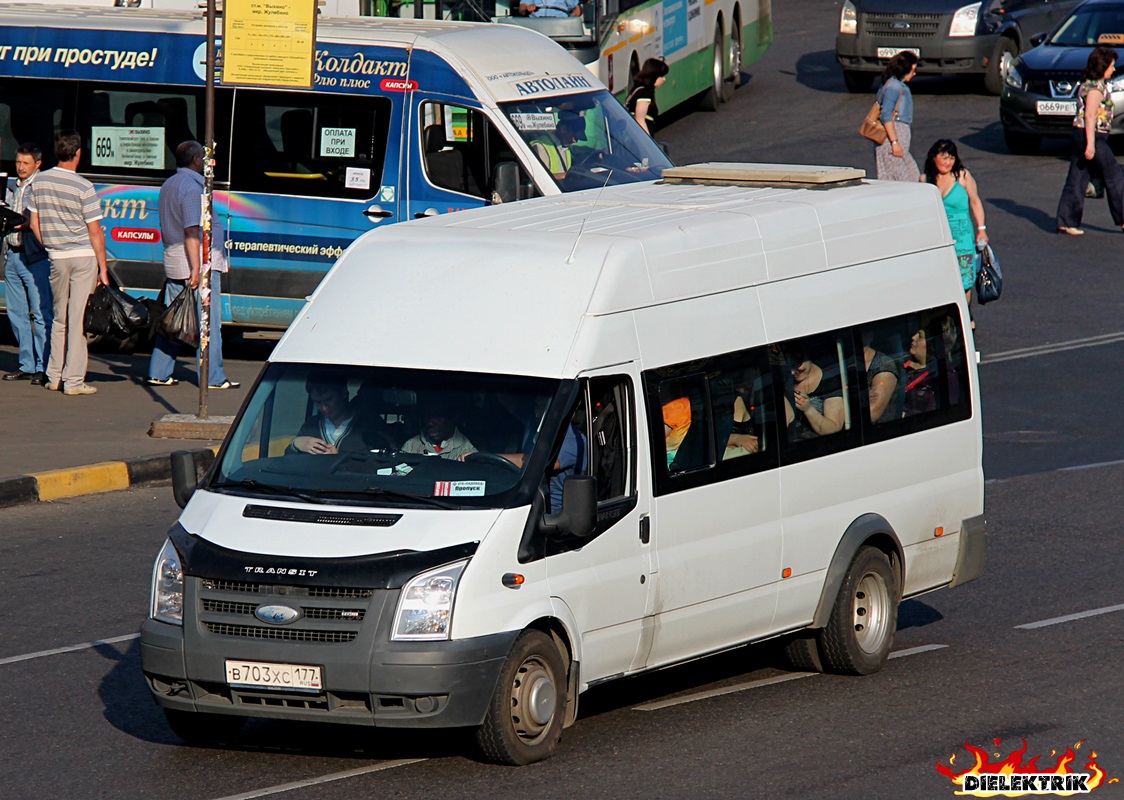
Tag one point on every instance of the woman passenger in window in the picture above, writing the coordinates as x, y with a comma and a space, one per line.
817, 406
920, 378
881, 383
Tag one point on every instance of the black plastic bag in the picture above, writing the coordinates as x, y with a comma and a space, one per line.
989, 280
129, 314
99, 316
180, 321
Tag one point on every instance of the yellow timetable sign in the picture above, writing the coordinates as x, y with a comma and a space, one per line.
268, 42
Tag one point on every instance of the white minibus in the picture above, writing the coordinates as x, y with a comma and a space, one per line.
509, 454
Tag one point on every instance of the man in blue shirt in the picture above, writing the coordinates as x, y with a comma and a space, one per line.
552, 8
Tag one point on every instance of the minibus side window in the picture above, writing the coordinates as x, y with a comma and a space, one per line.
611, 438
30, 111
711, 420
311, 145
818, 397
460, 148
134, 130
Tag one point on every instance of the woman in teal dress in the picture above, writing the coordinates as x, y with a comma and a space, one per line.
962, 205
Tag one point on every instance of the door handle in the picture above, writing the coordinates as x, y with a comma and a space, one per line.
429, 212
645, 529
377, 211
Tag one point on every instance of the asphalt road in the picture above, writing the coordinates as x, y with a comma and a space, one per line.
79, 724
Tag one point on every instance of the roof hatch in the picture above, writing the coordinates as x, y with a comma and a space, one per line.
780, 176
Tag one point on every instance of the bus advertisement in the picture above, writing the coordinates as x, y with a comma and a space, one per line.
406, 119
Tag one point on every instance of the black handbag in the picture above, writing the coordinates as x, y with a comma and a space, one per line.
989, 280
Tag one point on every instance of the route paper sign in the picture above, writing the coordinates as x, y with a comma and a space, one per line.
136, 148
268, 43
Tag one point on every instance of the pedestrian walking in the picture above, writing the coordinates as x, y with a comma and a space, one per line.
27, 276
641, 100
65, 217
1091, 153
181, 229
892, 158
962, 206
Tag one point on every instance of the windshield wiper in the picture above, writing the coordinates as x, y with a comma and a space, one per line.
281, 491
377, 492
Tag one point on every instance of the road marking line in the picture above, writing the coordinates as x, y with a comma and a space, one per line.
69, 648
335, 776
1096, 465
1057, 347
1070, 617
741, 687
912, 651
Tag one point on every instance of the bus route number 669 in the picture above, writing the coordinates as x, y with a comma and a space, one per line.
274, 676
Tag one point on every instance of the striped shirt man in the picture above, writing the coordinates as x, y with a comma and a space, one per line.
66, 203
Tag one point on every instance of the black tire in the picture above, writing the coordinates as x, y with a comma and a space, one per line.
204, 729
712, 97
1001, 60
733, 63
802, 652
524, 720
860, 630
858, 82
1021, 144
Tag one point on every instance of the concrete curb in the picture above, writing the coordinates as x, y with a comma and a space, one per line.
108, 476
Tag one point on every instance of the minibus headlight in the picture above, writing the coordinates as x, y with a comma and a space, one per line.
425, 608
167, 586
849, 19
964, 21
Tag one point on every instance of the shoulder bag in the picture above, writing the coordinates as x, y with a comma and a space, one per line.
872, 127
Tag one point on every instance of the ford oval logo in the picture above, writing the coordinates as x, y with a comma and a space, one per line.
277, 615
900, 26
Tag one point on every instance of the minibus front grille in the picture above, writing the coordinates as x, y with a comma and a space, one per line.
281, 634
307, 612
286, 591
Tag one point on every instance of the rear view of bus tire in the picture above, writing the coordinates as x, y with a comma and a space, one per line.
524, 720
203, 729
712, 97
860, 630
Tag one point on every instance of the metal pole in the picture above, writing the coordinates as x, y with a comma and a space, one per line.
208, 208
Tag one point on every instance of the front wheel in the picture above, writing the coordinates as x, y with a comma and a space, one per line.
1002, 59
860, 630
524, 720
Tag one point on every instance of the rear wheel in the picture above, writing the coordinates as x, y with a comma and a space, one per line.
524, 720
860, 630
1022, 144
858, 82
1002, 59
204, 729
712, 98
734, 62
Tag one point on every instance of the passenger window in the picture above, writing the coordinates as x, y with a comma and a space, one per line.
816, 397
309, 145
461, 148
711, 419
135, 131
30, 111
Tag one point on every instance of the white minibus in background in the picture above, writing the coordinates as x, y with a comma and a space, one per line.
406, 118
506, 455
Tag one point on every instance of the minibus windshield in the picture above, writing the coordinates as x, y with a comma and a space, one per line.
381, 436
587, 141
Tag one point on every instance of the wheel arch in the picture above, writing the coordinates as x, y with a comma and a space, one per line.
869, 529
1013, 32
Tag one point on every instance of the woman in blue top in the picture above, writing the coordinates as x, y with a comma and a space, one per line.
892, 158
1091, 152
962, 205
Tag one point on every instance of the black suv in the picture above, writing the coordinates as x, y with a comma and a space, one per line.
1040, 96
951, 37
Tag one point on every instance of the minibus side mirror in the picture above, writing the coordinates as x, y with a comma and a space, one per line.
183, 476
579, 507
1037, 39
505, 182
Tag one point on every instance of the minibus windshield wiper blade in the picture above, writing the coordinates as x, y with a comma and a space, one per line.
269, 488
377, 492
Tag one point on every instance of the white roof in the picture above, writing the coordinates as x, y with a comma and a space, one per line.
510, 61
506, 288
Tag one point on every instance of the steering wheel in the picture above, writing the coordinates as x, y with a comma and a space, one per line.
491, 458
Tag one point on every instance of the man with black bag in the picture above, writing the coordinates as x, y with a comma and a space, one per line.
182, 232
27, 275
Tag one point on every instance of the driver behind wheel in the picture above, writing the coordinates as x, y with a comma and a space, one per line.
439, 435
553, 150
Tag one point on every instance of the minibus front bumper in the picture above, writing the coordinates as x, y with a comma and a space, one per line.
369, 681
